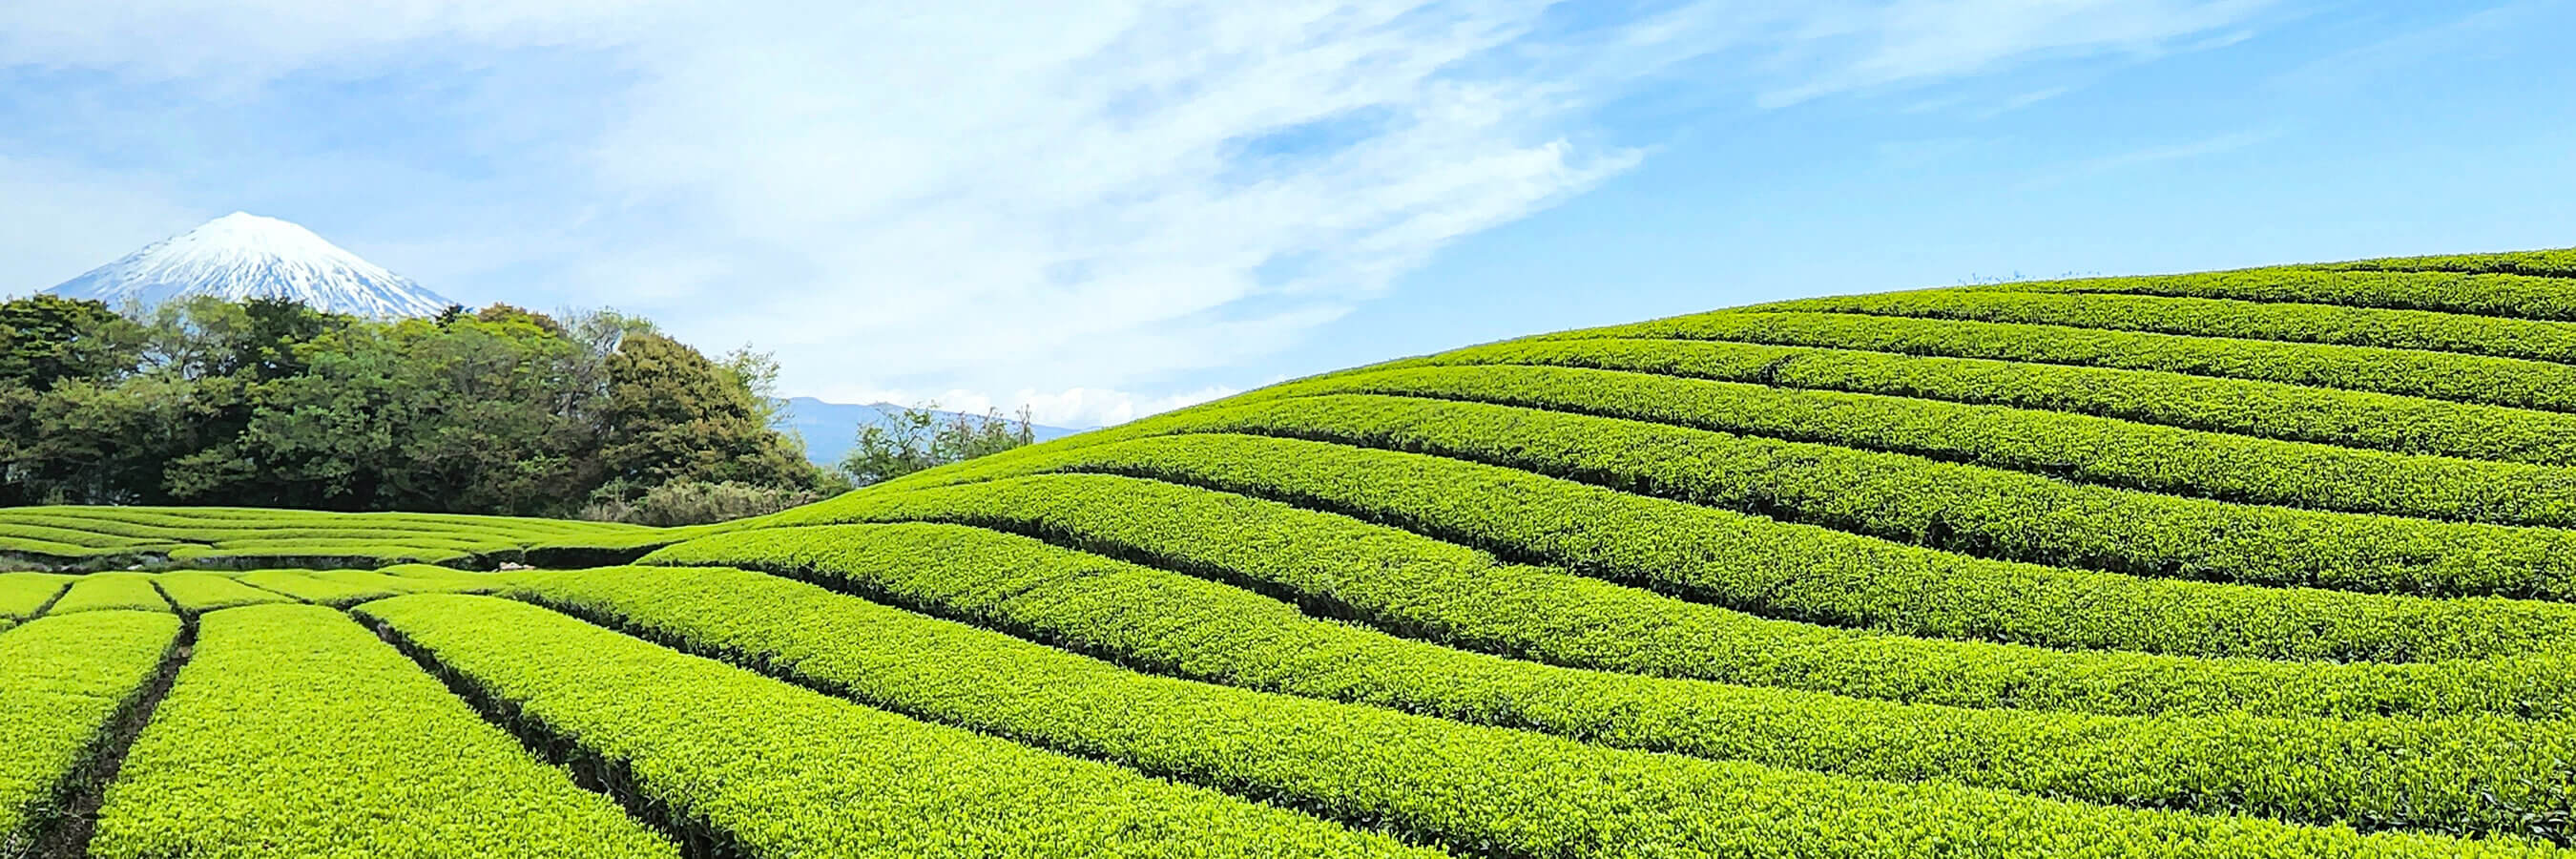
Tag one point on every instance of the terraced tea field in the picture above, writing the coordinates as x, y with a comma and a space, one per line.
82, 538
2274, 562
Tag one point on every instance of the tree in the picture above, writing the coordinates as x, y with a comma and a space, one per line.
45, 339
265, 348
514, 313
899, 444
410, 416
271, 403
757, 373
672, 414
113, 443
204, 337
598, 334
68, 432
918, 438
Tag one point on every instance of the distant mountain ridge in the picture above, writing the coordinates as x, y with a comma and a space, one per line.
832, 429
242, 256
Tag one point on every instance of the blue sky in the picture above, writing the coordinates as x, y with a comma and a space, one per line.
1104, 209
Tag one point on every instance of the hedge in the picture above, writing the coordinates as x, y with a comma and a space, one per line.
1980, 511
2301, 323
312, 587
2458, 774
778, 770
2437, 375
388, 584
75, 537
62, 678
2487, 293
2550, 263
2365, 419
1779, 570
310, 554
294, 732
111, 591
1334, 566
24, 594
2083, 448
197, 593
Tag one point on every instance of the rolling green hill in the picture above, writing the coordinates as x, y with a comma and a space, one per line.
2275, 562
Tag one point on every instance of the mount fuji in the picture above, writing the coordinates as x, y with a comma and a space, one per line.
241, 256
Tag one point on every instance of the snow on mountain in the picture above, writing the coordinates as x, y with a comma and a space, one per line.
240, 256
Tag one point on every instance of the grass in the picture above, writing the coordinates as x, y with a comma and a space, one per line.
2273, 562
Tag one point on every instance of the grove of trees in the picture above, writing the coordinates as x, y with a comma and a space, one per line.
269, 403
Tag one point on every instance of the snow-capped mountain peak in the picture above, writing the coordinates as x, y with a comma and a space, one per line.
242, 255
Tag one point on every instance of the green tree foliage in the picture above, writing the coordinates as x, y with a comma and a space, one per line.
919, 437
272, 403
672, 414
45, 339
412, 416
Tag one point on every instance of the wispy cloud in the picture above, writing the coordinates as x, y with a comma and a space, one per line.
1986, 106
1847, 46
1926, 152
2228, 142
2021, 101
2204, 147
1079, 198
2452, 41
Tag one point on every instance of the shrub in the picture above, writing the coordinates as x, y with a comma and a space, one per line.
692, 502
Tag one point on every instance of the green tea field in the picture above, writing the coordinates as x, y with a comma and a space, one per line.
2266, 563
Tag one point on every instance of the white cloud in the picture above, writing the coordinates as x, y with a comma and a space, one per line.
1044, 196
1065, 204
